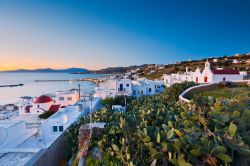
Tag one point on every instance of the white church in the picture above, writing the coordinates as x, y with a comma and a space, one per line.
206, 76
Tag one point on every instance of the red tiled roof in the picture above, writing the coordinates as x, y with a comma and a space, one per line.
43, 99
226, 71
54, 108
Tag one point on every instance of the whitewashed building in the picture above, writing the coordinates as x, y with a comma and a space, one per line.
61, 120
65, 98
41, 104
146, 87
206, 76
113, 87
116, 87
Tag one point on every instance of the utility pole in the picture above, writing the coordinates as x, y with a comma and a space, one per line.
125, 99
79, 91
90, 114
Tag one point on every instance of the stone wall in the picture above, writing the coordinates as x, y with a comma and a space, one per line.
195, 89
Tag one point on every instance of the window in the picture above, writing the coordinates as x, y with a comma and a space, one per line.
60, 128
55, 128
134, 92
224, 79
140, 92
69, 98
205, 79
61, 98
150, 90
38, 106
196, 80
127, 85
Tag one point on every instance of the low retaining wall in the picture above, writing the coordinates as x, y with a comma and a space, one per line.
183, 96
54, 155
204, 87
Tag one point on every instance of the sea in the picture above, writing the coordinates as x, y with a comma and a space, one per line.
9, 95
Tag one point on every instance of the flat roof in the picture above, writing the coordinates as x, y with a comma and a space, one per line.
7, 124
11, 159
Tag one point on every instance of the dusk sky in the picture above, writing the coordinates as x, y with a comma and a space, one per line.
96, 34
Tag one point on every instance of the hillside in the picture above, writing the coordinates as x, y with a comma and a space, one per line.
152, 71
118, 70
239, 62
49, 70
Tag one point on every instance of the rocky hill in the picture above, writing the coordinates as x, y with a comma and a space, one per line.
239, 62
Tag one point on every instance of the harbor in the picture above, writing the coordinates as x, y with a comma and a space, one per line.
95, 81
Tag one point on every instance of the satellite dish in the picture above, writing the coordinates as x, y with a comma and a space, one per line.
64, 118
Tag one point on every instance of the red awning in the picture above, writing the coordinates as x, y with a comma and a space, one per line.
54, 108
226, 71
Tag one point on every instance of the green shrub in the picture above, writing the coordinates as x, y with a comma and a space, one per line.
158, 130
46, 114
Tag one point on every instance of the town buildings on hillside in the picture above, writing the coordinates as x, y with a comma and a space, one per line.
116, 87
23, 133
206, 76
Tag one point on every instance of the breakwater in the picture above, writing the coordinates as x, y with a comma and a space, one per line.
92, 80
13, 85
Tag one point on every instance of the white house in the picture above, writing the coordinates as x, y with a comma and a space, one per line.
116, 87
62, 119
146, 87
118, 108
235, 61
215, 60
65, 98
178, 77
205, 76
41, 104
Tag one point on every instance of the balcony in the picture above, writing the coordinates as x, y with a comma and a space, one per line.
121, 90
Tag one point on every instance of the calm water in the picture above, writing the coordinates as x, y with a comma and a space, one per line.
33, 89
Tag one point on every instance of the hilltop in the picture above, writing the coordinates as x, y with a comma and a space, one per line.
49, 70
152, 71
238, 61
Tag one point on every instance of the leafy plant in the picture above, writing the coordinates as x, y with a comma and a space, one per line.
46, 114
158, 130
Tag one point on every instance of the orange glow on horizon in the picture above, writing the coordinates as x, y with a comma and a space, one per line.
11, 62
32, 67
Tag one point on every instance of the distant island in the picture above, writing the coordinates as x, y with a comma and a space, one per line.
49, 70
